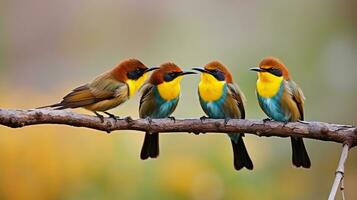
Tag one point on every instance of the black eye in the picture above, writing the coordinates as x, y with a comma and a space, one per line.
170, 76
135, 74
219, 75
275, 71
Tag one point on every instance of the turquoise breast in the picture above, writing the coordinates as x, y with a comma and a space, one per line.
163, 108
272, 106
214, 108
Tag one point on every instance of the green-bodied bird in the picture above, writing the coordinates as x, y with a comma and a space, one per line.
159, 99
221, 98
282, 100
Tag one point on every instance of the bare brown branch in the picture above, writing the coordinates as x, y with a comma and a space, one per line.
346, 134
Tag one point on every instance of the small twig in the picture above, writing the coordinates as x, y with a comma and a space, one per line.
339, 173
342, 188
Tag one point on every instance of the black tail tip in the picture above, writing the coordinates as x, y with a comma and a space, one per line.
241, 157
240, 165
150, 148
303, 162
300, 158
146, 155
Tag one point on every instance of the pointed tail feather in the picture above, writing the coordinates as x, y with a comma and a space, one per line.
150, 148
241, 156
300, 157
52, 106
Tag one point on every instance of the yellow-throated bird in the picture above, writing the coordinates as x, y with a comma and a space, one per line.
108, 90
159, 99
282, 100
221, 98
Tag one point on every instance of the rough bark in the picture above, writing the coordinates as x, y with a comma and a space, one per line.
346, 134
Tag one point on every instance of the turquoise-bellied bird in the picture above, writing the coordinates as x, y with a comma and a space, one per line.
107, 90
282, 100
159, 99
221, 98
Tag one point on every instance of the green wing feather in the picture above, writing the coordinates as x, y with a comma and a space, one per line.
238, 99
297, 96
147, 100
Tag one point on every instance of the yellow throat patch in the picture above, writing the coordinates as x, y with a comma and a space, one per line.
210, 89
170, 90
268, 84
134, 85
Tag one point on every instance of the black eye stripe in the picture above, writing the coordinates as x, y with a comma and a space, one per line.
135, 74
171, 76
275, 71
214, 70
218, 74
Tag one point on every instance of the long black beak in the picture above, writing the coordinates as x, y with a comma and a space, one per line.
186, 73
257, 69
200, 69
151, 69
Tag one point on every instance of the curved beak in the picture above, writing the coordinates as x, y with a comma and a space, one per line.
151, 69
257, 69
186, 73
200, 69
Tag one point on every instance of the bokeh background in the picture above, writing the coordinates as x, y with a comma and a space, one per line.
49, 47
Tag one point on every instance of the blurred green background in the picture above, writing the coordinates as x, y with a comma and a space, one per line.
49, 47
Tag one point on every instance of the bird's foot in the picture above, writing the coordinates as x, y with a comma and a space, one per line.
128, 119
226, 120
172, 118
112, 116
149, 119
203, 118
101, 117
267, 120
303, 122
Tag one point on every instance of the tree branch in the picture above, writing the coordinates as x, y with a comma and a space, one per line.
339, 174
345, 134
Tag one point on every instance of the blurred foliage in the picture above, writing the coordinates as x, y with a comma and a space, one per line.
48, 48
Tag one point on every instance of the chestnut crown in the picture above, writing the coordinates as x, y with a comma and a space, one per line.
131, 69
274, 66
167, 72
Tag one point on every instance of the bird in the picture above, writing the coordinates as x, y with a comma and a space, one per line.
282, 100
107, 90
160, 96
221, 98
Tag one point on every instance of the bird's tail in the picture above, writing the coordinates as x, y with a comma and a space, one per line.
57, 106
150, 147
300, 156
240, 154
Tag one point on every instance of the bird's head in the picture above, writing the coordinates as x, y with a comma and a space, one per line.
168, 73
271, 69
133, 72
215, 71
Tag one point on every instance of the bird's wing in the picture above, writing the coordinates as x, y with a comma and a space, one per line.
151, 106
297, 96
147, 101
102, 88
238, 97
105, 86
